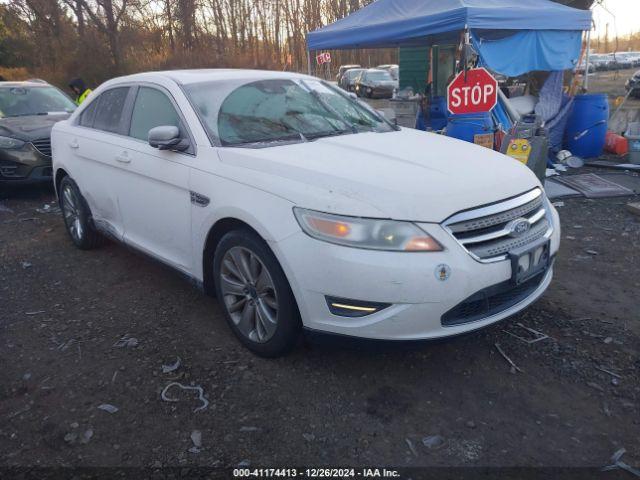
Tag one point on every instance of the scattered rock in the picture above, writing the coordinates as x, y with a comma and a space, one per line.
196, 438
608, 340
433, 441
244, 463
172, 367
309, 437
595, 386
26, 265
126, 342
471, 424
107, 407
411, 447
86, 436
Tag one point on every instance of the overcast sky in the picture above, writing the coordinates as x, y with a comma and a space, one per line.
627, 17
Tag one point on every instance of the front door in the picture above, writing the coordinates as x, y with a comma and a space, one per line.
154, 196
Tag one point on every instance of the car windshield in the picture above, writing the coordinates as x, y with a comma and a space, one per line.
21, 101
281, 110
379, 76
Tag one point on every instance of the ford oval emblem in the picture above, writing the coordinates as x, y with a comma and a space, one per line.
519, 226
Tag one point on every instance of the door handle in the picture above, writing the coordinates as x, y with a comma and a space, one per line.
123, 158
74, 144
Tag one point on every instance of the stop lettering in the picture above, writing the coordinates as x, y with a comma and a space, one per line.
477, 94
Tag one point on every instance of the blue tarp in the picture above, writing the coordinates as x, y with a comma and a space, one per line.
528, 50
395, 23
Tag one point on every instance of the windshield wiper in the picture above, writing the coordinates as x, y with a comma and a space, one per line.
328, 106
329, 133
267, 140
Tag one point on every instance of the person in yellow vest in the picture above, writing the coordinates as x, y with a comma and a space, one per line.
80, 90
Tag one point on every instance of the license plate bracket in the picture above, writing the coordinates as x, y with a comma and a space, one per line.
529, 261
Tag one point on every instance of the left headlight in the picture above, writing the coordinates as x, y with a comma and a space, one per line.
9, 143
366, 233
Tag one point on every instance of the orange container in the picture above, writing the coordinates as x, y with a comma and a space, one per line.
615, 143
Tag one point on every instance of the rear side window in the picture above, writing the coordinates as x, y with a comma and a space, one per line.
152, 109
89, 114
110, 106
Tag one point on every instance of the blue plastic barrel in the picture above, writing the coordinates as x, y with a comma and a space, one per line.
587, 125
438, 112
465, 127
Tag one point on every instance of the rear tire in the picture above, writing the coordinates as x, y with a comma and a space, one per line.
255, 294
77, 216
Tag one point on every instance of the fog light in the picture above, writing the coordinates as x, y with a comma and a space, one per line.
346, 307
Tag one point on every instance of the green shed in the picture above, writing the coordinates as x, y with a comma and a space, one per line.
414, 67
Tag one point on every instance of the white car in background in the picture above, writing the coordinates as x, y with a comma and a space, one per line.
299, 207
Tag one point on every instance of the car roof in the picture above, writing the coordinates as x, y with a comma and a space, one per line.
186, 77
25, 83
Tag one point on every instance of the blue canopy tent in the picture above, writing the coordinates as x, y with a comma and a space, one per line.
512, 36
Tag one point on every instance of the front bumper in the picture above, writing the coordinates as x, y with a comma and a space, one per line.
24, 166
406, 280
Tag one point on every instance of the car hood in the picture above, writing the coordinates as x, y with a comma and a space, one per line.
404, 175
30, 127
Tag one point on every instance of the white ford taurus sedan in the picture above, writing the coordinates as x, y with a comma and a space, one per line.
300, 207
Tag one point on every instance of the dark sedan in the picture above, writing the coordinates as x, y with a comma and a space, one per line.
633, 85
375, 83
348, 79
28, 111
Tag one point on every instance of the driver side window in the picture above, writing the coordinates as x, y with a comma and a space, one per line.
152, 109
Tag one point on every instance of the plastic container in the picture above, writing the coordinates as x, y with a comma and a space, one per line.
587, 125
465, 127
615, 143
633, 137
438, 113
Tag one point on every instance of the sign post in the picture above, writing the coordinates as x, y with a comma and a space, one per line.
477, 92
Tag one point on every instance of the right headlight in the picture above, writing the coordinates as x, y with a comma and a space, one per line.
9, 143
368, 233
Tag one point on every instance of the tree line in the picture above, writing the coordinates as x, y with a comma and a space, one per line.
99, 39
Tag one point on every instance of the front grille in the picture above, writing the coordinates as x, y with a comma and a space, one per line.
491, 301
486, 232
43, 145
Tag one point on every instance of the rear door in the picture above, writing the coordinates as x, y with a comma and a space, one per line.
93, 147
154, 195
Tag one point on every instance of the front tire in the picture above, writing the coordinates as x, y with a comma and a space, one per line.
77, 216
255, 295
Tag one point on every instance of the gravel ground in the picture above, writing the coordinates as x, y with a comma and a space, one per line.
575, 400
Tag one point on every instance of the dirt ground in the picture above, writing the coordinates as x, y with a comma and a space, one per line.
64, 310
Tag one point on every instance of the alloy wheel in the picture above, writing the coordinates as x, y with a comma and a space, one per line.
249, 294
71, 212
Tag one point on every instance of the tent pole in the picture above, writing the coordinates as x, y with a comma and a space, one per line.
585, 77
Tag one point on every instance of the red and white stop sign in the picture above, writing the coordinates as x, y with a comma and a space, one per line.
477, 93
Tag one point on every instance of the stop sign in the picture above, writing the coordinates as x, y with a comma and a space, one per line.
477, 94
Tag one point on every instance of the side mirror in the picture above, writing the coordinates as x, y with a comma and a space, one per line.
167, 137
352, 95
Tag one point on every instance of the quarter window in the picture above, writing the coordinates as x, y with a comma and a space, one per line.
109, 114
152, 109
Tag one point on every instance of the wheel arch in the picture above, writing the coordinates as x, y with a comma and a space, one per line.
60, 174
215, 234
